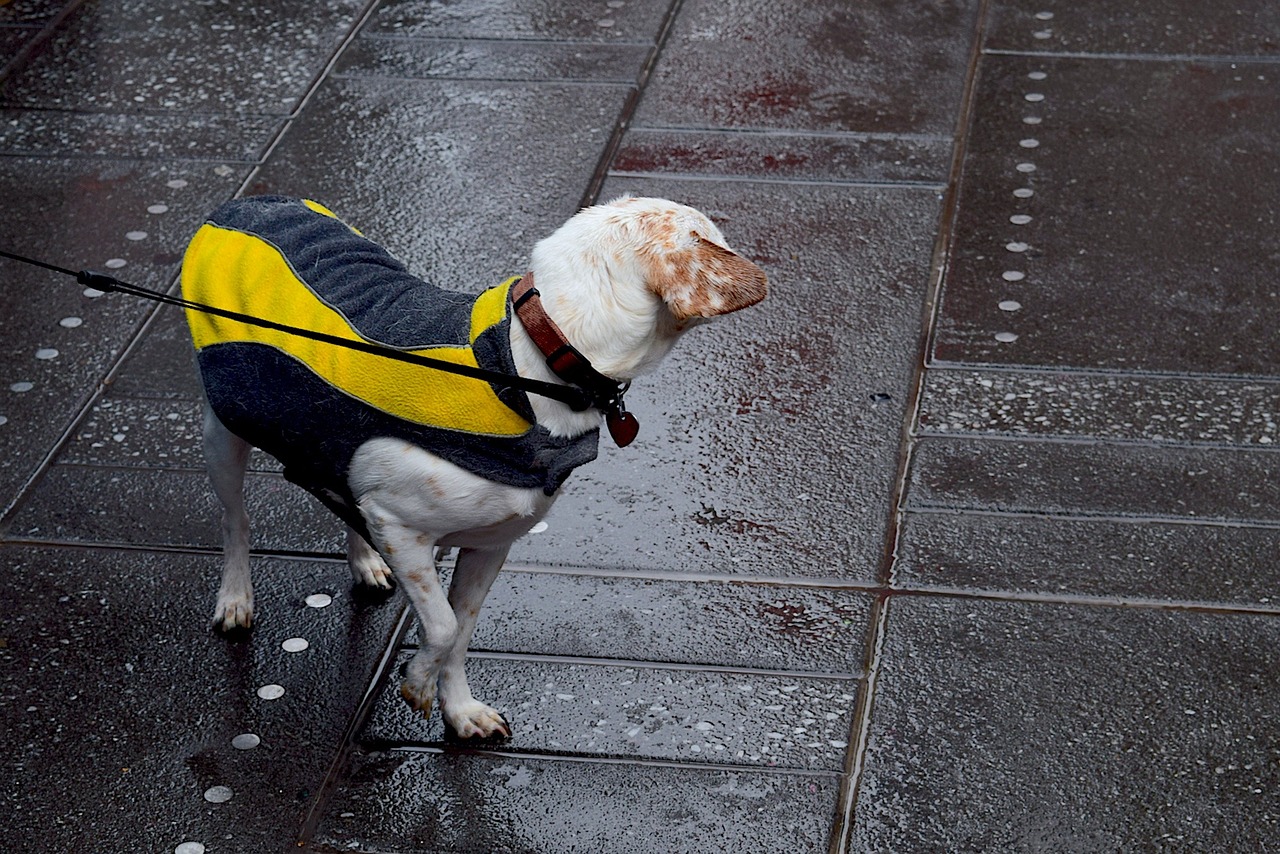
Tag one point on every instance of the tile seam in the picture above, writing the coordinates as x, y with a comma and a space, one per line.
785, 770
751, 179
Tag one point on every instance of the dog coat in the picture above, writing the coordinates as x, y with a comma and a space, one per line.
311, 404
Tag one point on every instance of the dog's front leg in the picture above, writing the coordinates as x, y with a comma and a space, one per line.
472, 577
411, 555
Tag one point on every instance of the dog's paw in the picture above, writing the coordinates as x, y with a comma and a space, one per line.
369, 569
474, 720
419, 699
233, 613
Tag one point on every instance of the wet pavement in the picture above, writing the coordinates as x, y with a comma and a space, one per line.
965, 540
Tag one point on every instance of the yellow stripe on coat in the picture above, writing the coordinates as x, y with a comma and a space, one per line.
232, 270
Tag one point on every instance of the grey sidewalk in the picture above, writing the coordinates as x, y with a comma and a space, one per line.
964, 540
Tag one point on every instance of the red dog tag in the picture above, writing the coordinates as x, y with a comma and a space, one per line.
623, 427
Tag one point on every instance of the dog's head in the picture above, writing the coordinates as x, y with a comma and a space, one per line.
684, 259
671, 251
624, 279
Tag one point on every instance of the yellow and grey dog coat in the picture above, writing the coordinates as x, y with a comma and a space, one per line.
311, 404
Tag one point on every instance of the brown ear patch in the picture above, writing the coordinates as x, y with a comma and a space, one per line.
707, 280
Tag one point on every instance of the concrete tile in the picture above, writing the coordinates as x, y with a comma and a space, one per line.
818, 66
413, 164
728, 625
1115, 560
1085, 405
1181, 27
778, 156
183, 137
1209, 484
428, 801
76, 214
122, 432
168, 507
30, 12
765, 447
1017, 727
119, 704
574, 20
652, 712
161, 363
188, 58
1137, 254
463, 59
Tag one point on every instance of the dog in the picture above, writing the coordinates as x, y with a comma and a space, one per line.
619, 283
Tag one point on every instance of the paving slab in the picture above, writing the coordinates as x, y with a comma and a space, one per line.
1180, 28
422, 801
768, 441
644, 711
1208, 565
813, 66
30, 12
1132, 407
759, 626
774, 156
120, 705
1019, 727
414, 164
574, 20
152, 507
1096, 479
1143, 235
118, 135
57, 343
225, 57
492, 59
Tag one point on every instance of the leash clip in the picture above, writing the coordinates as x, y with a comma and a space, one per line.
100, 281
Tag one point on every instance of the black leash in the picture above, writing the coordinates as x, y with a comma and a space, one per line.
577, 399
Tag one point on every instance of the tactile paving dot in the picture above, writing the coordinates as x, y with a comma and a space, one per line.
70, 322
1026, 167
319, 600
1009, 305
1019, 219
1037, 75
3, 420
157, 209
217, 794
1013, 275
1034, 97
136, 235
115, 263
1023, 193
22, 386
1006, 337
271, 692
539, 528
176, 184
44, 354
295, 645
189, 848
246, 741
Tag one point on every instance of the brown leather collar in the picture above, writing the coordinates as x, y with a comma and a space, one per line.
568, 364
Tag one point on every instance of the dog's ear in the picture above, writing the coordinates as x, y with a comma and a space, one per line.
708, 280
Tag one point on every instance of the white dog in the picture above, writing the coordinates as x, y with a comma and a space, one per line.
620, 282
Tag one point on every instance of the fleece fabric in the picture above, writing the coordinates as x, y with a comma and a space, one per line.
311, 404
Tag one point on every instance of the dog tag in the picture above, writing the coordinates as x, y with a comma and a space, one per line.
623, 427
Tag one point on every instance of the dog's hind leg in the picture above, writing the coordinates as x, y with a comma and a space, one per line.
472, 577
226, 456
367, 566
